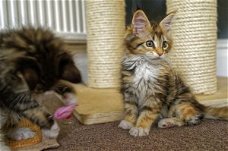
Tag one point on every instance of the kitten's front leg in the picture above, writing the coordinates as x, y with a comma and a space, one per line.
148, 115
130, 118
67, 92
131, 112
16, 96
3, 146
41, 117
52, 132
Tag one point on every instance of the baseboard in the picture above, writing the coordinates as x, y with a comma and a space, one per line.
216, 103
222, 57
72, 38
222, 43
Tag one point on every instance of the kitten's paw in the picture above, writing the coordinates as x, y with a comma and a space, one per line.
3, 147
125, 125
53, 132
165, 123
170, 122
70, 98
20, 133
138, 131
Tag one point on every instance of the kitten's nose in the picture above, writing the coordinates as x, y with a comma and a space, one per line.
160, 53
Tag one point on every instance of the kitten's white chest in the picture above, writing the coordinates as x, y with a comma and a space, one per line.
145, 76
145, 72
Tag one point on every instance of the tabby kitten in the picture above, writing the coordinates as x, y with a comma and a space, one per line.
32, 60
150, 86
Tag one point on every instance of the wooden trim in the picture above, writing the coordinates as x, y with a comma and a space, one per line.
72, 38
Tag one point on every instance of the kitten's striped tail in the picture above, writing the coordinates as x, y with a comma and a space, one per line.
220, 113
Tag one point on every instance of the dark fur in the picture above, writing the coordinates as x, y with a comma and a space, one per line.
32, 60
150, 86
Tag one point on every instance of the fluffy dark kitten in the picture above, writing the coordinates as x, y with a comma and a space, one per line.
32, 60
151, 87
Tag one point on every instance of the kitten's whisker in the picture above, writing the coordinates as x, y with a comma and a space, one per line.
14, 101
18, 100
4, 89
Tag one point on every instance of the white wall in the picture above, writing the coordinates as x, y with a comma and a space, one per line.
222, 57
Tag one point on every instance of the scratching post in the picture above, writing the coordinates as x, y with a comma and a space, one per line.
194, 34
105, 33
100, 101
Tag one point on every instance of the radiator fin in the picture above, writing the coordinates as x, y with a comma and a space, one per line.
65, 17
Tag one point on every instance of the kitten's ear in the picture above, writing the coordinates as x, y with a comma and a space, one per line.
67, 69
140, 23
167, 21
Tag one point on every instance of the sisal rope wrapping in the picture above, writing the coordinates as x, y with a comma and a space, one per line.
105, 33
194, 32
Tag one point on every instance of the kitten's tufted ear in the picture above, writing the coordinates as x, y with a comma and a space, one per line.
167, 21
67, 69
140, 23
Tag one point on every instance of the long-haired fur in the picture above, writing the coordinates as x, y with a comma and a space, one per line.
32, 60
150, 86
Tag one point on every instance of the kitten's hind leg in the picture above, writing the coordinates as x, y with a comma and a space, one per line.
187, 113
170, 122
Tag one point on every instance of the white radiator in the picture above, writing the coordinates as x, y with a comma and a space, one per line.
65, 17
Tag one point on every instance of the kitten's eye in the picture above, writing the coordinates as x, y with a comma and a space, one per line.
149, 43
165, 45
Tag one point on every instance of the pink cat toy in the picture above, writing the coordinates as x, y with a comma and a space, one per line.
64, 112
